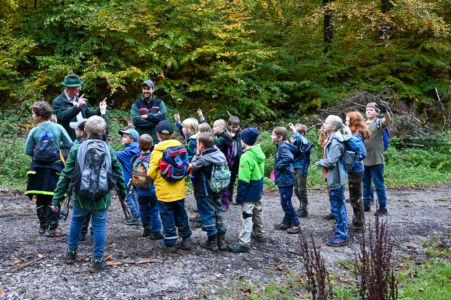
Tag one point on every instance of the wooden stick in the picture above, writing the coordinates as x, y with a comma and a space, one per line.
26, 264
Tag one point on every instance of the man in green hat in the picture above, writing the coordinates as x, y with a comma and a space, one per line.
148, 111
69, 107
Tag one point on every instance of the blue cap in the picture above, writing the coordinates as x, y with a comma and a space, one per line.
149, 83
131, 132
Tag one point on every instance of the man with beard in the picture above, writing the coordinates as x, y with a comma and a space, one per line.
148, 111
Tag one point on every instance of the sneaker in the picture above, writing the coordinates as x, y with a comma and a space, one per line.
156, 236
211, 243
70, 257
146, 232
133, 222
238, 248
258, 238
328, 217
367, 207
302, 213
293, 230
98, 265
186, 243
381, 212
336, 242
357, 228
281, 226
197, 223
54, 233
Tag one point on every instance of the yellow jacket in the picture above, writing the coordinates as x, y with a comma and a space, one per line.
166, 191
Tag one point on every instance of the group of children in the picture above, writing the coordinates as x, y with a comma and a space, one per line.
213, 156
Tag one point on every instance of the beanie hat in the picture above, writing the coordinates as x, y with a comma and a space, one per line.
249, 136
165, 127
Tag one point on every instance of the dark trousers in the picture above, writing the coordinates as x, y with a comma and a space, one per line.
148, 208
173, 215
47, 218
355, 196
211, 213
300, 188
290, 217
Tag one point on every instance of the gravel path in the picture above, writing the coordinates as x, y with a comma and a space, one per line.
144, 270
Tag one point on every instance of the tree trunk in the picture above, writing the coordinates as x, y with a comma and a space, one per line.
328, 26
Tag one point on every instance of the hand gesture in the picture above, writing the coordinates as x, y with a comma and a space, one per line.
201, 115
81, 101
382, 107
177, 118
103, 106
291, 126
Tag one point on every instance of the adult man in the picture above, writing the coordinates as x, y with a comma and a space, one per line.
69, 107
147, 111
374, 161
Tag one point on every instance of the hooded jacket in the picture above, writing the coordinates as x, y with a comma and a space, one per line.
250, 175
201, 167
125, 157
283, 164
224, 142
302, 161
336, 173
166, 191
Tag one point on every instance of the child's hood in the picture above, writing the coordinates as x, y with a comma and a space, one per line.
215, 157
285, 145
161, 146
256, 153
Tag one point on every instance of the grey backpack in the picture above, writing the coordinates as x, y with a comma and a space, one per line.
93, 176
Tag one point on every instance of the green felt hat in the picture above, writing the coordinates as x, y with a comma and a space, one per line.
72, 80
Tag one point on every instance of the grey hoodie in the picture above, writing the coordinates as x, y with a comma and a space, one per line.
336, 173
201, 170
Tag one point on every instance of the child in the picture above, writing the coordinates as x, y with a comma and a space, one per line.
355, 122
148, 203
249, 191
235, 132
374, 161
45, 167
131, 149
285, 179
189, 131
208, 202
205, 127
170, 195
95, 127
223, 142
300, 165
335, 174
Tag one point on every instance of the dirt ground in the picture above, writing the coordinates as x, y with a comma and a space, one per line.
31, 265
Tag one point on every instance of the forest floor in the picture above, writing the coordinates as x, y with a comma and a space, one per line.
31, 265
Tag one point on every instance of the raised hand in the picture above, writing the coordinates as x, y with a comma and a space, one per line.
177, 118
382, 107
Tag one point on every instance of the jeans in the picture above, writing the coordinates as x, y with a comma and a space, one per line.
210, 211
355, 197
98, 223
300, 188
173, 214
148, 208
337, 203
251, 220
132, 202
47, 218
290, 217
377, 174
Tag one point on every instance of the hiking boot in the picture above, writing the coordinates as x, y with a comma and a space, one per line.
222, 242
302, 213
367, 207
357, 228
54, 233
211, 243
281, 226
328, 217
99, 265
258, 238
186, 243
70, 257
133, 222
146, 232
42, 230
168, 248
238, 248
336, 242
381, 212
293, 230
156, 236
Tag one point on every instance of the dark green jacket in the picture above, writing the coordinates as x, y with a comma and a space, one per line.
78, 201
155, 111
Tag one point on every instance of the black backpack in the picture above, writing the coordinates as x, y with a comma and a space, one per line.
93, 176
46, 150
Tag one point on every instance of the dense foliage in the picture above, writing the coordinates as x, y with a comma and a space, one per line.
253, 58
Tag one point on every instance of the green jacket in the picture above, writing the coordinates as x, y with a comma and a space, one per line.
78, 201
250, 175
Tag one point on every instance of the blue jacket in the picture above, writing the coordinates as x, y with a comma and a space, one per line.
358, 166
283, 164
125, 158
302, 160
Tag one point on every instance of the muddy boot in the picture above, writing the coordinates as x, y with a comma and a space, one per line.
186, 243
221, 242
211, 243
42, 229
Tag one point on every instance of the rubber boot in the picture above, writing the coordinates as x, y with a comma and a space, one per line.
221, 242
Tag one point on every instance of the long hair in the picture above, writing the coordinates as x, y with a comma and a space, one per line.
282, 132
357, 124
223, 125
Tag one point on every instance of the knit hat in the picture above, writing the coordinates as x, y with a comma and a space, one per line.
165, 127
249, 136
80, 124
149, 83
131, 132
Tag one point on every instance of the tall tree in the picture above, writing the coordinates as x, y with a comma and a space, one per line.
328, 25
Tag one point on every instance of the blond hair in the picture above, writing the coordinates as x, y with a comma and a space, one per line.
95, 127
204, 127
300, 128
222, 124
191, 125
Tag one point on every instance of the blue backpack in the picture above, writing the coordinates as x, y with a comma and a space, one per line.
386, 138
46, 150
354, 151
174, 163
303, 146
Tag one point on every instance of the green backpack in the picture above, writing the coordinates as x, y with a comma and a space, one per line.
220, 178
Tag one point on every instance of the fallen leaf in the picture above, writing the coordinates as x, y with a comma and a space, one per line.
212, 272
2, 293
263, 288
40, 255
14, 287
